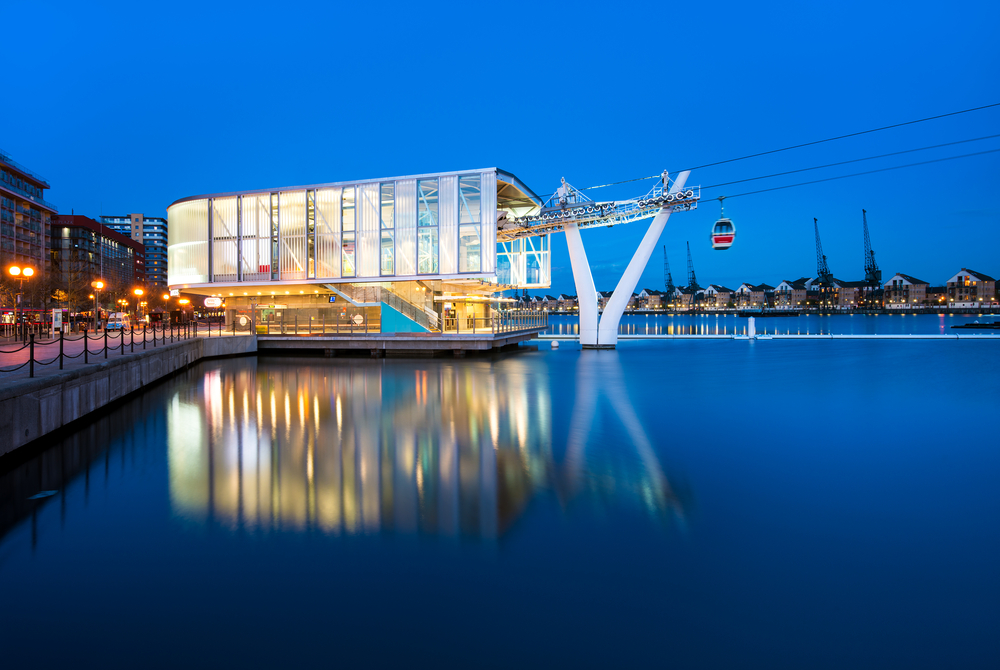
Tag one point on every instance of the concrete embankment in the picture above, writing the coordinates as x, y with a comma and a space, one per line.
33, 408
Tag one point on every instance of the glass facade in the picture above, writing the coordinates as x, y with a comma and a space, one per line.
441, 225
187, 253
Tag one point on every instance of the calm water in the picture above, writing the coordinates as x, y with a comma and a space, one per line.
806, 324
783, 504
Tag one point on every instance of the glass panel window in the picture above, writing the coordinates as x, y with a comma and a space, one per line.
387, 251
469, 192
347, 227
427, 243
469, 248
388, 198
427, 226
387, 254
311, 230
347, 209
274, 236
427, 202
347, 254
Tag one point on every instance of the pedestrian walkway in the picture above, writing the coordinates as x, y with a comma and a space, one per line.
42, 357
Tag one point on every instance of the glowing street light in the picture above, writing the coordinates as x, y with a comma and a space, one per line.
21, 274
97, 285
138, 296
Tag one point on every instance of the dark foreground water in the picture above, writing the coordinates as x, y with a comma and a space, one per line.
781, 504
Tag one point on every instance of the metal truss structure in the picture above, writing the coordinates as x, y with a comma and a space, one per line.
570, 205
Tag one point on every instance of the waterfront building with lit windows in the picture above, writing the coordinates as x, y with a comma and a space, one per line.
904, 291
24, 215
791, 294
717, 296
151, 232
82, 250
755, 296
410, 254
969, 288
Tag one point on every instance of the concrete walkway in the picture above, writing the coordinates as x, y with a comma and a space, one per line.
14, 354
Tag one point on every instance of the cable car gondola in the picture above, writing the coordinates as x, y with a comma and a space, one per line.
723, 232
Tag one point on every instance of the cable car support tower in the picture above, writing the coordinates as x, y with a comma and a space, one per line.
568, 210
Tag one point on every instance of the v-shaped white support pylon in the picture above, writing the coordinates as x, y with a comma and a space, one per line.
605, 334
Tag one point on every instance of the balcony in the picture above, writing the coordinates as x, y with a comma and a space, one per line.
24, 194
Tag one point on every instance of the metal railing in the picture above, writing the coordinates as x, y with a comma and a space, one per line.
342, 325
507, 321
121, 342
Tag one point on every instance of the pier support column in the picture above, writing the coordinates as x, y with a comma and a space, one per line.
586, 294
608, 332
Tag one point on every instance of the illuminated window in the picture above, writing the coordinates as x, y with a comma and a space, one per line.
387, 216
348, 233
427, 226
311, 231
469, 246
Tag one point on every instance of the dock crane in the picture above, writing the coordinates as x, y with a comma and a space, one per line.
822, 269
827, 289
873, 276
692, 280
668, 280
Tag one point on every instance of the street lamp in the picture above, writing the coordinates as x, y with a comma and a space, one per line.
138, 296
21, 274
97, 285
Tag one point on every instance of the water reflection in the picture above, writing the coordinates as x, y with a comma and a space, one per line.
351, 447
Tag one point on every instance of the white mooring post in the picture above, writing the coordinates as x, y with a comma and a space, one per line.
751, 328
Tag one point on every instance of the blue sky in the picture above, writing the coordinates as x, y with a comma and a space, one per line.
126, 107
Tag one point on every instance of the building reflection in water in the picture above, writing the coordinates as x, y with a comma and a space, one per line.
372, 446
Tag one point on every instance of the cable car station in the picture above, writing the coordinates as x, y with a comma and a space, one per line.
423, 258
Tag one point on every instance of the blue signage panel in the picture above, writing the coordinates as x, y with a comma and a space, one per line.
333, 298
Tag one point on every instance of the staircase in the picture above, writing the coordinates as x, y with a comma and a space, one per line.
373, 296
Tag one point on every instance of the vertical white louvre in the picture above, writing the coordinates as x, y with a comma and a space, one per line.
489, 214
187, 248
256, 237
406, 227
328, 233
292, 252
368, 230
448, 225
225, 249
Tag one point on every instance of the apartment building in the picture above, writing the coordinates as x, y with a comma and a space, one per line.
968, 288
24, 216
716, 296
791, 294
903, 291
755, 296
82, 250
151, 232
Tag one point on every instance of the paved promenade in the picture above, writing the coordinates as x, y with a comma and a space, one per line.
14, 355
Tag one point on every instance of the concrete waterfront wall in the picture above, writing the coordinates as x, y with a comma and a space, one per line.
33, 408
